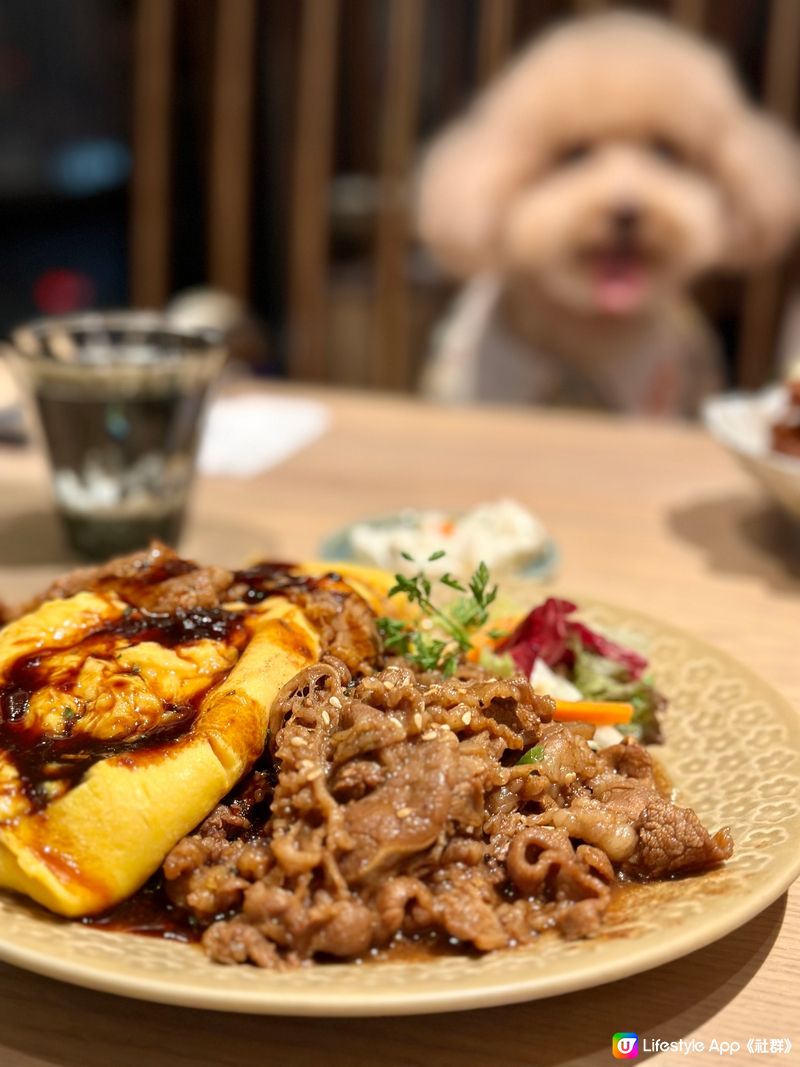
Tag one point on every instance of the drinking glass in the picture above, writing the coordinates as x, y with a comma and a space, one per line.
120, 398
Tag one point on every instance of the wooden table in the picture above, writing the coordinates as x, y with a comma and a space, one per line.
651, 516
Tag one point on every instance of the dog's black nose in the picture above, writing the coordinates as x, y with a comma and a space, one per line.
626, 217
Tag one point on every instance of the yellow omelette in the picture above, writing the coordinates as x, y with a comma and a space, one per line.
115, 742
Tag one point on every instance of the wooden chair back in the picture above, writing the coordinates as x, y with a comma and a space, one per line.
323, 34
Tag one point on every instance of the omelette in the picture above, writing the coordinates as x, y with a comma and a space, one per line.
134, 696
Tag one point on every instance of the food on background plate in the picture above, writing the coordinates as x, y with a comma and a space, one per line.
743, 424
504, 535
786, 430
395, 776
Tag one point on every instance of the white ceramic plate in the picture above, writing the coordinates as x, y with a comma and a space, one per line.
733, 751
741, 422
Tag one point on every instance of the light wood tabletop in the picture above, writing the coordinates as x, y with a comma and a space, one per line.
651, 516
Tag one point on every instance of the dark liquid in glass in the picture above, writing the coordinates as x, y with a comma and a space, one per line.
122, 464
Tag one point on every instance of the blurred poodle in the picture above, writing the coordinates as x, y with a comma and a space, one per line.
611, 165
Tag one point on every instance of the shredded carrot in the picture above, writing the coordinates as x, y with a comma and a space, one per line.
447, 527
482, 640
599, 712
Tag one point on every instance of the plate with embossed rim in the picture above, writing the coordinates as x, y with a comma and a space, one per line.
716, 705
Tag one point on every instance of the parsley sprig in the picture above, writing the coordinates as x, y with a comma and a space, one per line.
448, 635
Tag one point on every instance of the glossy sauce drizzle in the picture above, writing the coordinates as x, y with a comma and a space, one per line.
150, 912
42, 758
276, 579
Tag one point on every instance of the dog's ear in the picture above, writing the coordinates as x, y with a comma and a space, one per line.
464, 185
758, 162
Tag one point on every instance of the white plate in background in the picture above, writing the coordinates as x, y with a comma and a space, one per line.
741, 422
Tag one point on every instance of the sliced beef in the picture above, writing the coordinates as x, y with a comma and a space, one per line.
624, 813
400, 811
403, 816
629, 759
139, 569
344, 620
672, 840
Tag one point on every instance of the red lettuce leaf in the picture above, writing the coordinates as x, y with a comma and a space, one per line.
548, 633
543, 634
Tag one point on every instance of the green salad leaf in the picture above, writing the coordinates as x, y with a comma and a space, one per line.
533, 755
604, 679
500, 664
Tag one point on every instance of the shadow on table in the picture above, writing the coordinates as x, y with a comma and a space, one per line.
31, 538
743, 535
58, 1024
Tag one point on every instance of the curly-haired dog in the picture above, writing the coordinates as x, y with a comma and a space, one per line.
612, 164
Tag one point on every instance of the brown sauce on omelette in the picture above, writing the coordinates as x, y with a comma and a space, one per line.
41, 758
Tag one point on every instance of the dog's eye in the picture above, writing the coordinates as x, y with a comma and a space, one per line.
665, 149
572, 153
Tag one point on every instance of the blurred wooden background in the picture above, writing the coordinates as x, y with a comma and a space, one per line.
273, 144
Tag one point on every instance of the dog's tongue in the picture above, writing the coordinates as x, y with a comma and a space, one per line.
619, 282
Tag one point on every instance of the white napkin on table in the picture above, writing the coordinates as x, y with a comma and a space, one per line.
245, 435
